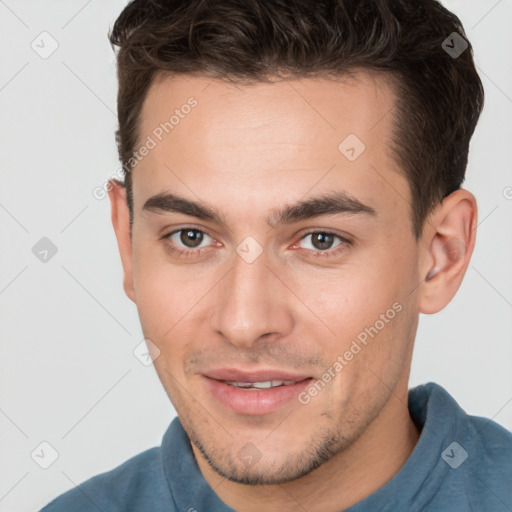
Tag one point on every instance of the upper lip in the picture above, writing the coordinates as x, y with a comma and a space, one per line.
264, 375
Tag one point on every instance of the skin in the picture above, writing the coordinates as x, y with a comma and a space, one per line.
244, 151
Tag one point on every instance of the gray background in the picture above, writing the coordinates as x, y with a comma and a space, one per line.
68, 373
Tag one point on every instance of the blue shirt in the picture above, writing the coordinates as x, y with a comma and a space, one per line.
460, 463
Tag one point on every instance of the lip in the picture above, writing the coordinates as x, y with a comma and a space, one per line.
237, 375
254, 402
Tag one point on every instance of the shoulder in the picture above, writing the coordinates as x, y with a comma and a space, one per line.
471, 456
484, 479
493, 444
137, 484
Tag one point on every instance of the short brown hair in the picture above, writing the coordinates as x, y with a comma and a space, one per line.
439, 96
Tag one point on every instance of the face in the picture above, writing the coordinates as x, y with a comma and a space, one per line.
252, 291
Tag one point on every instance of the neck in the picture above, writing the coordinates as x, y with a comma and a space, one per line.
344, 480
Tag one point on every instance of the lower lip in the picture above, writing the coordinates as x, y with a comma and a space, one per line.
254, 401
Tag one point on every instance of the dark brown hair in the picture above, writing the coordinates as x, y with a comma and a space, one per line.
439, 95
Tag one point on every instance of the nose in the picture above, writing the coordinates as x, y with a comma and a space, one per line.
251, 303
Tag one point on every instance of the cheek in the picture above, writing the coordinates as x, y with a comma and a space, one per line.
351, 297
364, 305
170, 299
159, 295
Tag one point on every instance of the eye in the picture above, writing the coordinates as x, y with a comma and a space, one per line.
190, 237
186, 240
322, 243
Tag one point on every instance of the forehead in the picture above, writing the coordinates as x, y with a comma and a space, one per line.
235, 140
355, 103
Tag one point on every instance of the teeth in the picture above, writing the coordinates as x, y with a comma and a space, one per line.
261, 385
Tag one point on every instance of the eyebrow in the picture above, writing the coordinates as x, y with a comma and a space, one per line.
333, 203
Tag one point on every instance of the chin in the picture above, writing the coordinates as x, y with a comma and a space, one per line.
249, 465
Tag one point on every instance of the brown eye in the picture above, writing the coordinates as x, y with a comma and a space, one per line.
323, 244
191, 238
186, 240
322, 241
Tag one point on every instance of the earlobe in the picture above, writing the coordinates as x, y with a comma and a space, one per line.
121, 222
450, 244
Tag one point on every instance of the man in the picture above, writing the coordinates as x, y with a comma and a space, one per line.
292, 202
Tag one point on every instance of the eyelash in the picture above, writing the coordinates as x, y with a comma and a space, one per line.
315, 254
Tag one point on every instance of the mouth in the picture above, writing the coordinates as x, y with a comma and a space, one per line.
254, 393
261, 385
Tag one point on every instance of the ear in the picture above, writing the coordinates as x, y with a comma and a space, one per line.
121, 222
449, 240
